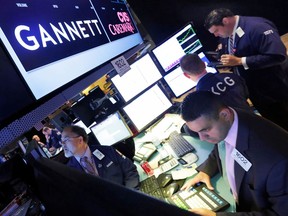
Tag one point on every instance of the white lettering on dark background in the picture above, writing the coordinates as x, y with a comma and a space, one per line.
74, 30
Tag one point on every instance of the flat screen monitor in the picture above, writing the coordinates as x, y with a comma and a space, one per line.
81, 124
93, 107
33, 147
60, 187
54, 42
111, 130
143, 73
178, 83
147, 107
171, 50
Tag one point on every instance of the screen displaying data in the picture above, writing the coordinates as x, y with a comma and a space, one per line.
146, 108
179, 83
171, 50
82, 125
111, 130
143, 73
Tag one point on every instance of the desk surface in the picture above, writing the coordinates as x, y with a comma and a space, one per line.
202, 150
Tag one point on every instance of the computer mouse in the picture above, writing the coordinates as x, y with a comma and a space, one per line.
164, 179
189, 158
170, 189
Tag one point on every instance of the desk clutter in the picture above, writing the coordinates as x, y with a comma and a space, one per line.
144, 152
178, 144
161, 187
168, 159
172, 151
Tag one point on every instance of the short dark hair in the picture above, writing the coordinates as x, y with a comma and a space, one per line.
191, 63
45, 129
216, 16
201, 103
77, 130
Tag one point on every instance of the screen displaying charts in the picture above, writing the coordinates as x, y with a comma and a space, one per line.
142, 74
171, 50
111, 130
147, 107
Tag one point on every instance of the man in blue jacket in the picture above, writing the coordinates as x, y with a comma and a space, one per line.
252, 46
53, 139
102, 161
230, 87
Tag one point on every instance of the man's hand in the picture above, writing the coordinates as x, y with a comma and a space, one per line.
203, 212
230, 60
200, 177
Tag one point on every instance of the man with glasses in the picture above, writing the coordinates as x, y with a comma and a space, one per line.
102, 161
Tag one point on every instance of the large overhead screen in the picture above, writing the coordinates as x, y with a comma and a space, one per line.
54, 42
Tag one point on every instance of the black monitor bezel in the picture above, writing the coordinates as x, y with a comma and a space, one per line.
123, 121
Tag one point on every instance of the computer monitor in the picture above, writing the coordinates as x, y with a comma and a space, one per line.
171, 50
60, 187
111, 130
93, 107
27, 147
180, 84
146, 108
53, 43
82, 125
143, 73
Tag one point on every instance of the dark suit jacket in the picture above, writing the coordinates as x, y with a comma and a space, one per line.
264, 187
264, 52
54, 139
112, 167
230, 87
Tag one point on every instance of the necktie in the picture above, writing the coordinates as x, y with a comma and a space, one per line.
230, 169
222, 155
87, 166
231, 45
232, 51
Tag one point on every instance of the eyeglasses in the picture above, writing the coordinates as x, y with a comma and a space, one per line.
67, 139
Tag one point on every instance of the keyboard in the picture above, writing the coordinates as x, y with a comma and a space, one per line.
199, 197
179, 144
151, 187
